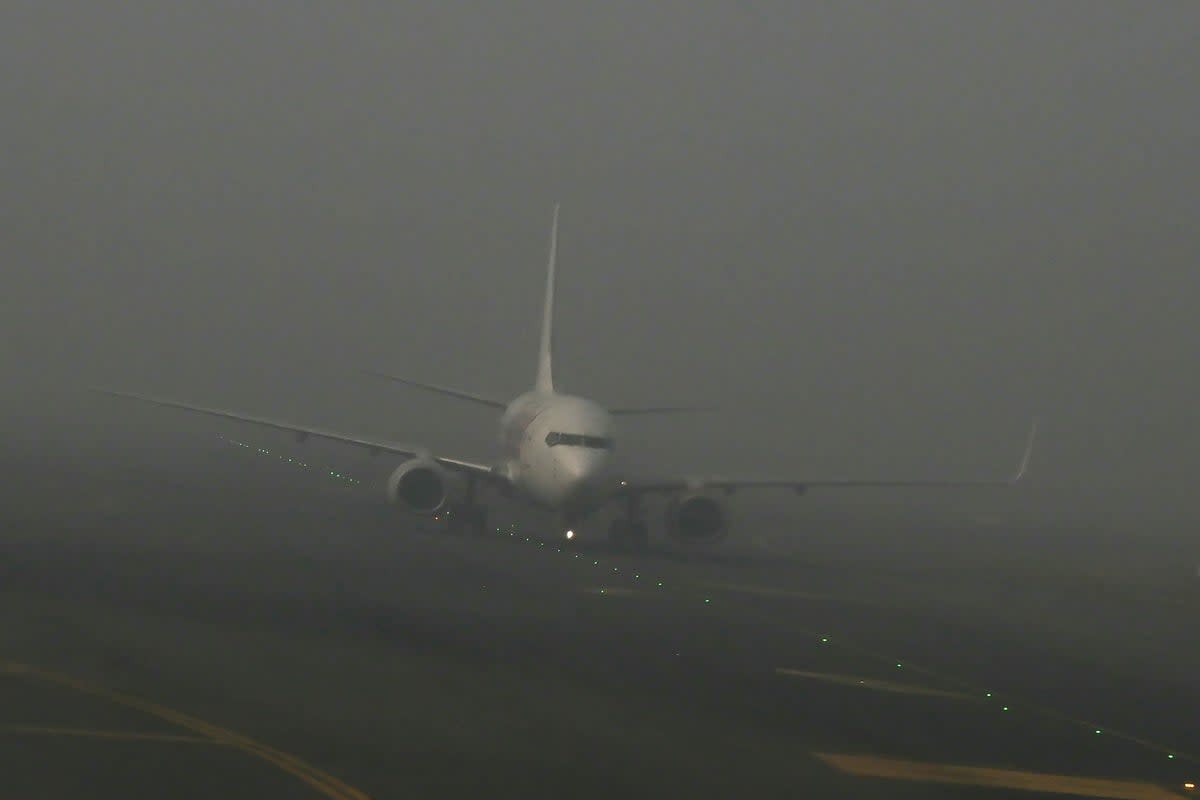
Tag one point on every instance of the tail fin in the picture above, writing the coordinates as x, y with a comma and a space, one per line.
545, 375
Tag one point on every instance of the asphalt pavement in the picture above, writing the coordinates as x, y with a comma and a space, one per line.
253, 629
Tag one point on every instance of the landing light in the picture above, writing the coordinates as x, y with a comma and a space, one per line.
570, 534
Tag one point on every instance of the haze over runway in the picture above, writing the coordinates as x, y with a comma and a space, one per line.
880, 238
875, 238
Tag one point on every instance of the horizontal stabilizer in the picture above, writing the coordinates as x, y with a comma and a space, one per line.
446, 390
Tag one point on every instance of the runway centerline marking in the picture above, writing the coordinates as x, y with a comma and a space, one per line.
614, 591
875, 684
319, 780
991, 777
92, 733
771, 591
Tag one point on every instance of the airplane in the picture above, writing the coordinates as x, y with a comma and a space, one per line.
556, 453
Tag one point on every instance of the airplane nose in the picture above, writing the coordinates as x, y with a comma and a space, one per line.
577, 468
576, 465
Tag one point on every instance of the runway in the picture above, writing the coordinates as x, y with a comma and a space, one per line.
247, 630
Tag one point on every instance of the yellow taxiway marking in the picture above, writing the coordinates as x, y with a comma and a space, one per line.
874, 684
898, 769
91, 733
850, 647
321, 781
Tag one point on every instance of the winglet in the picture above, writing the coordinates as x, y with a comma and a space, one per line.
1024, 465
545, 376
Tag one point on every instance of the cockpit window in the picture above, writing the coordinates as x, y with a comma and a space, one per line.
579, 440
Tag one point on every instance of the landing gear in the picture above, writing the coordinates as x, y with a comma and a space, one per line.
470, 516
471, 519
568, 529
629, 532
626, 534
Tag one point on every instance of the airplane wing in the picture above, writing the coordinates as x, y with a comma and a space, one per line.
304, 431
437, 389
638, 410
799, 485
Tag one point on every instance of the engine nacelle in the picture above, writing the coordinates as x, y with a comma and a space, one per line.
695, 518
419, 485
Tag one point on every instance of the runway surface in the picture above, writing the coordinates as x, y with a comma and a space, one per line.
244, 629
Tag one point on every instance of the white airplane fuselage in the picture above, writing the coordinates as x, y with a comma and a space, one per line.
557, 450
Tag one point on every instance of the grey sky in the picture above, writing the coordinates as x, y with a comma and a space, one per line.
893, 231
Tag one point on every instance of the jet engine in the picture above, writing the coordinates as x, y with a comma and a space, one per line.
695, 518
418, 485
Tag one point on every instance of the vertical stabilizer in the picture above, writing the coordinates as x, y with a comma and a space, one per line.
545, 375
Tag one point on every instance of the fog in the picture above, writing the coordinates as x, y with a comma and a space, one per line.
877, 237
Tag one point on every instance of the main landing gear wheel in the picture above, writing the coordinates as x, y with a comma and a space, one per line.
469, 519
628, 534
639, 537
